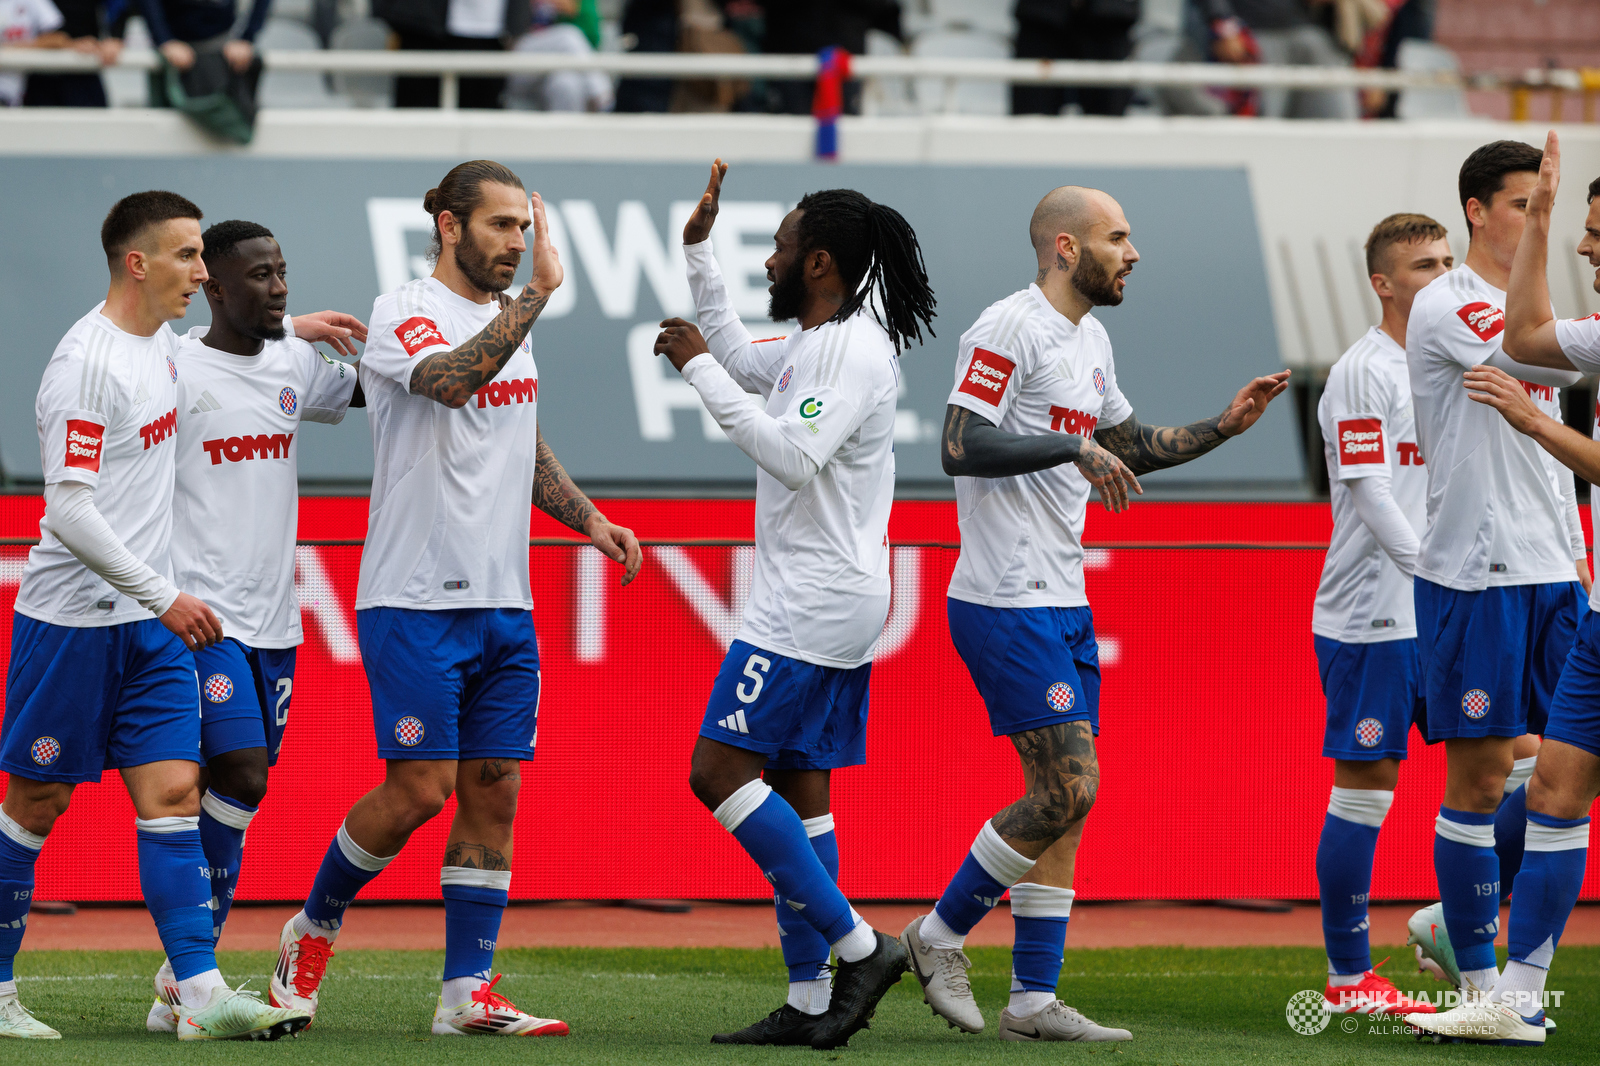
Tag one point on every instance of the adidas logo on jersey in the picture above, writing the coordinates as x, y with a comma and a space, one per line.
207, 402
734, 722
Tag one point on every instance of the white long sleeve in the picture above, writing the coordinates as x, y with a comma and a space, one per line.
77, 523
730, 343
1536, 375
1569, 497
756, 433
1378, 511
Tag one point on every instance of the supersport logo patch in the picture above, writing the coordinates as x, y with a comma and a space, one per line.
987, 376
1484, 320
418, 333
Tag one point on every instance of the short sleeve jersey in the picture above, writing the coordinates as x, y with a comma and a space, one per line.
1026, 368
1496, 515
452, 489
1580, 343
236, 506
1368, 432
106, 414
22, 21
820, 591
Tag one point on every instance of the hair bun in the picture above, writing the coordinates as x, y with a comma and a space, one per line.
429, 200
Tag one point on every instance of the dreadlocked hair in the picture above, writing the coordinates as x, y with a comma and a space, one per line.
878, 257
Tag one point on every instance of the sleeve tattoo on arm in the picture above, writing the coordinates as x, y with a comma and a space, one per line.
1146, 448
452, 377
555, 494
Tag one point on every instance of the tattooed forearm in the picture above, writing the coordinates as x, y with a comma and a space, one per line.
1146, 448
452, 377
1062, 775
973, 447
475, 857
555, 494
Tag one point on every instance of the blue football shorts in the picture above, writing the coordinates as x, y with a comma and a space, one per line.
452, 684
1035, 667
1575, 710
80, 701
244, 697
1374, 696
800, 715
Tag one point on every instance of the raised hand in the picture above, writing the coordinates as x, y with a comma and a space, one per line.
680, 342
1543, 198
1251, 403
698, 228
335, 328
547, 271
1108, 474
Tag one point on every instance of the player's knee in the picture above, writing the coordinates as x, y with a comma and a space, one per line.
1073, 796
35, 805
242, 778
1555, 798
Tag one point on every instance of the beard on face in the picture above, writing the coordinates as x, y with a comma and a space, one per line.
263, 332
478, 267
1095, 283
788, 293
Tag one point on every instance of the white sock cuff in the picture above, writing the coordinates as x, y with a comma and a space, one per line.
171, 824
819, 826
1477, 836
999, 859
475, 878
742, 804
1521, 770
10, 828
1544, 838
358, 857
1360, 805
1029, 900
225, 812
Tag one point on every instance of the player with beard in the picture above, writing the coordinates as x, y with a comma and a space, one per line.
244, 387
790, 702
1035, 396
443, 602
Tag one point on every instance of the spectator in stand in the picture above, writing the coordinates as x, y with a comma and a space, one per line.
563, 27
82, 24
181, 28
452, 26
32, 24
1293, 33
806, 27
1073, 29
648, 26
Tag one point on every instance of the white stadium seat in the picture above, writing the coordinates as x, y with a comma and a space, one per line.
293, 88
363, 34
965, 97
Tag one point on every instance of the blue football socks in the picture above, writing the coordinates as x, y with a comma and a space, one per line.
1546, 891
1511, 823
990, 868
474, 902
345, 871
1040, 913
19, 849
172, 876
1344, 874
223, 821
1468, 869
805, 951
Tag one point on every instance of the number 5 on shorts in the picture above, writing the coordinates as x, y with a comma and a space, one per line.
754, 663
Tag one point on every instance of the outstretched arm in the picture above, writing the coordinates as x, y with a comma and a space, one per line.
1497, 389
452, 377
555, 494
975, 447
1146, 448
1530, 335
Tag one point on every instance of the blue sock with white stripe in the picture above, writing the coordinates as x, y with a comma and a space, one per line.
805, 952
1546, 891
172, 877
1040, 913
474, 902
1468, 869
346, 869
19, 849
223, 821
1344, 874
1511, 823
773, 835
991, 867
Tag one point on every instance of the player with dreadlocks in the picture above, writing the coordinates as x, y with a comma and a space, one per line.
790, 702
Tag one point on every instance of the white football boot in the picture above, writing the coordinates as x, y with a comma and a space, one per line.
234, 1014
162, 1018
18, 1022
943, 973
1435, 956
1057, 1022
1481, 1023
488, 1013
302, 963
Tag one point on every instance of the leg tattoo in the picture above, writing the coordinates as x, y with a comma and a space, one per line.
1062, 775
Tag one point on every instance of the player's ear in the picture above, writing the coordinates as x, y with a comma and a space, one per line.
821, 263
134, 264
1381, 286
1067, 248
213, 288
449, 231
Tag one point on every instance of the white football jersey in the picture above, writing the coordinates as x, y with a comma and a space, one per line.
106, 412
1025, 367
21, 21
452, 489
1368, 431
820, 591
1580, 343
1496, 512
238, 495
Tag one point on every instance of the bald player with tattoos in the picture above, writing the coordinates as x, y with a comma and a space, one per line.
1035, 396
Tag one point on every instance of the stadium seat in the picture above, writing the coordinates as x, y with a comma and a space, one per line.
964, 97
293, 88
886, 96
1429, 103
364, 90
299, 10
984, 16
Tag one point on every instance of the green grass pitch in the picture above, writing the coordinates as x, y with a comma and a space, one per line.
1186, 1007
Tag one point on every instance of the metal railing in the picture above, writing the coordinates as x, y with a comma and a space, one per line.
450, 66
